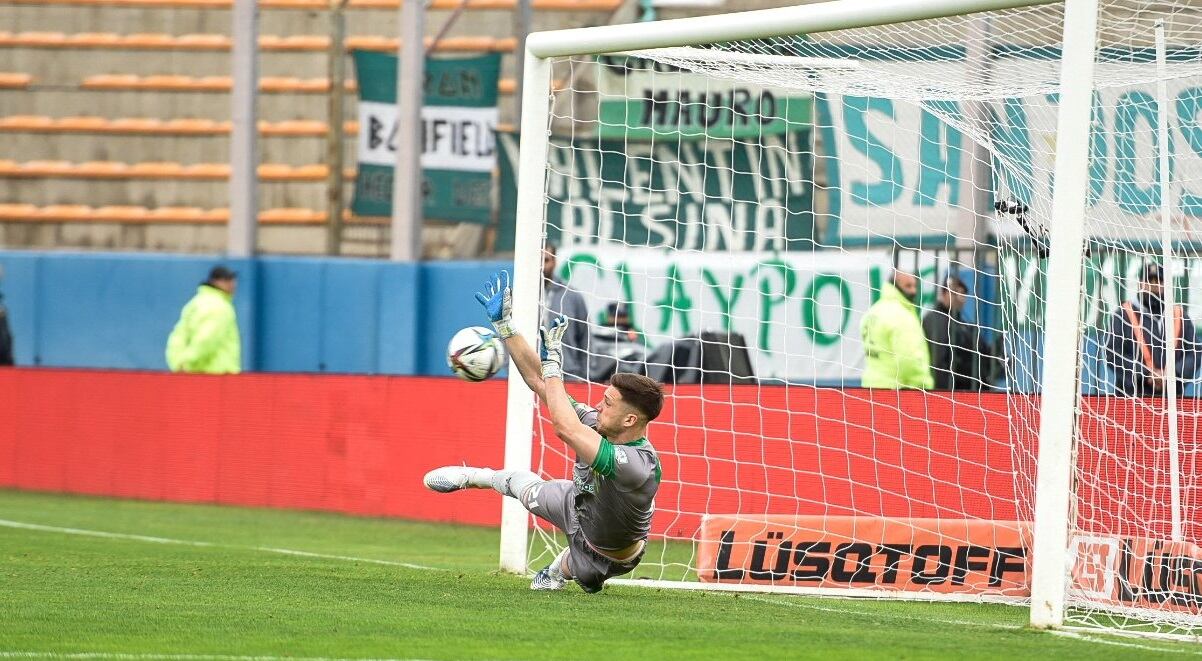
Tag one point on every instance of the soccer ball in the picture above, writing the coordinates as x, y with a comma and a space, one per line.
475, 353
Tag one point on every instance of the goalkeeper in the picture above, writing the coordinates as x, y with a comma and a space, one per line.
605, 510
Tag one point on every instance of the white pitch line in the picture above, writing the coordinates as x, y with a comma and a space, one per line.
126, 656
5, 523
967, 623
1118, 643
895, 616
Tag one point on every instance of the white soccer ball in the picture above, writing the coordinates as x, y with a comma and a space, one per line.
475, 353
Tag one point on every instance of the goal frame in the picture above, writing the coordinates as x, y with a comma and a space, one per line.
1059, 392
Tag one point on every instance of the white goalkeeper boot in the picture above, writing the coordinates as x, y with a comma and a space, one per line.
550, 577
454, 478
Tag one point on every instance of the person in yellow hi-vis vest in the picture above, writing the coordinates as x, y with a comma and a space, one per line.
1139, 332
206, 340
896, 354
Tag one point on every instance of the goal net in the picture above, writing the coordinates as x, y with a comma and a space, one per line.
769, 225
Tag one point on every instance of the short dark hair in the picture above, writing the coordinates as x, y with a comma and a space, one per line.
954, 282
549, 247
222, 273
640, 392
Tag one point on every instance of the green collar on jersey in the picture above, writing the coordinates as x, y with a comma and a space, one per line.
605, 463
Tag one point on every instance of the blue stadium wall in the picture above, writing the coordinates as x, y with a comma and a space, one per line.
295, 314
349, 316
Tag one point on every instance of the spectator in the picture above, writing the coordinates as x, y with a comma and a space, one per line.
617, 346
559, 299
895, 349
205, 339
955, 346
6, 335
1135, 349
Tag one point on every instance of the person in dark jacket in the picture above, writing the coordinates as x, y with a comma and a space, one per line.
956, 346
1135, 347
560, 299
6, 335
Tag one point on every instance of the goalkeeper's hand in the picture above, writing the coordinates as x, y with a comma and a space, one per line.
551, 352
497, 299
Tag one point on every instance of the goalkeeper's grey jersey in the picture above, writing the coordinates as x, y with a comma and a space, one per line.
615, 494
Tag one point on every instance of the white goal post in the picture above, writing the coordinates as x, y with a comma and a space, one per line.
1059, 408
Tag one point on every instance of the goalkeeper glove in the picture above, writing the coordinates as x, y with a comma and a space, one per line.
497, 299
552, 349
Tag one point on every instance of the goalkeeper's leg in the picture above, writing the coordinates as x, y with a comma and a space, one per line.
507, 483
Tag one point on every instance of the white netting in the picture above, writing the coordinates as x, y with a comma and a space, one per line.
744, 204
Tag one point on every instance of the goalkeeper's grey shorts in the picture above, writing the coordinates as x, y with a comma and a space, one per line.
554, 501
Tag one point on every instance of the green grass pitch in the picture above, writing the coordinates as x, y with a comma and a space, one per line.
92, 578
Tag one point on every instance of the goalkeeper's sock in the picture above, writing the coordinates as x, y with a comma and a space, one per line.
481, 478
555, 571
513, 483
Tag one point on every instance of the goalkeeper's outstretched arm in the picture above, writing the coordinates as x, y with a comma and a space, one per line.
584, 440
527, 363
497, 299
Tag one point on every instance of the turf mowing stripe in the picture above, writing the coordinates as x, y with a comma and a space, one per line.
895, 616
967, 623
173, 657
5, 523
1116, 643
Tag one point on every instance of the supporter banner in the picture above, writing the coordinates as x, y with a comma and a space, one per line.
642, 99
902, 169
459, 119
707, 195
798, 312
907, 555
1110, 279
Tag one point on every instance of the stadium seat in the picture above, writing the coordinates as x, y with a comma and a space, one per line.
152, 126
439, 5
203, 42
155, 170
82, 213
221, 42
83, 124
267, 84
26, 123
293, 128
10, 80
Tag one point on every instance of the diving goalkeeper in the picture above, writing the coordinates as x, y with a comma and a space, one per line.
605, 510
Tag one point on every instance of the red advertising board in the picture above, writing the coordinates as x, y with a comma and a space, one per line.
360, 444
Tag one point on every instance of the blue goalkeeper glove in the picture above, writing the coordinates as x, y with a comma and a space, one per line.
497, 299
551, 352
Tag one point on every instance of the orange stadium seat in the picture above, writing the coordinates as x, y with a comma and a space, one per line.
101, 170
92, 40
11, 211
135, 125
26, 123
203, 42
84, 124
267, 84
293, 127
443, 5
82, 213
185, 126
372, 42
155, 170
14, 80
221, 42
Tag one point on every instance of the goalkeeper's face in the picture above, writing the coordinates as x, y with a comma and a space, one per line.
615, 416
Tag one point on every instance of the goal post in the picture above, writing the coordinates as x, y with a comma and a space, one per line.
1060, 390
738, 199
520, 406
